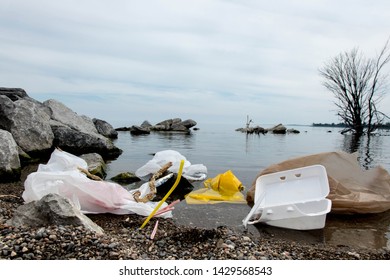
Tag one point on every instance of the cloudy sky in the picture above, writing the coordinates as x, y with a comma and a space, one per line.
215, 61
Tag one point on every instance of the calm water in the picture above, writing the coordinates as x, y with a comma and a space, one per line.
222, 148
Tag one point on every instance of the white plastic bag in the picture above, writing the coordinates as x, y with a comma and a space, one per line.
192, 172
61, 176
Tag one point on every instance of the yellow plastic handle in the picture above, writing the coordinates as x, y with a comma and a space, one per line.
166, 196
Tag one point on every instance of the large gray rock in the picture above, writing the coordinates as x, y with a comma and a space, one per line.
9, 157
105, 129
77, 142
51, 209
7, 108
28, 123
13, 93
77, 134
66, 116
175, 124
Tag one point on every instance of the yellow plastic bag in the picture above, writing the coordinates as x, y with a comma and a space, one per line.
222, 188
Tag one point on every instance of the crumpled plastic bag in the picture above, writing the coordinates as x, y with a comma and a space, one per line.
224, 187
192, 172
61, 176
352, 189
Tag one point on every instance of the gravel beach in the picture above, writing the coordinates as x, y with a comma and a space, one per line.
122, 239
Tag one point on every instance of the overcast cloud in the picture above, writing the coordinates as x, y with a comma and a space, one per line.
213, 61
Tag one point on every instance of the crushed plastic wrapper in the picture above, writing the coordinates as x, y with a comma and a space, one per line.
192, 172
61, 176
224, 187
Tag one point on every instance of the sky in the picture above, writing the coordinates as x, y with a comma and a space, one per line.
213, 61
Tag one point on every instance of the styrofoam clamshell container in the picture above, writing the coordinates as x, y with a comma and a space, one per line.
294, 199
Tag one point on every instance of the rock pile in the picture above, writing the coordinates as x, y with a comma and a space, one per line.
176, 125
30, 129
277, 129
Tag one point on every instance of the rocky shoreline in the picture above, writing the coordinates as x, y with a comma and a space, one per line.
122, 239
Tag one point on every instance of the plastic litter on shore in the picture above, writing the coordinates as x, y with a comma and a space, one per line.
294, 199
224, 187
61, 175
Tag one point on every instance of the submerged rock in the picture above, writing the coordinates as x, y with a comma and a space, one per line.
175, 124
139, 130
125, 178
278, 129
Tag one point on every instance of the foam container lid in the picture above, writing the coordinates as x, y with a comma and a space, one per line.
292, 186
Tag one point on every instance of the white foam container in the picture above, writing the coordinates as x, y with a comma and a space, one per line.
294, 199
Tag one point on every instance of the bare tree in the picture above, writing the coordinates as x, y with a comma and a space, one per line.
358, 86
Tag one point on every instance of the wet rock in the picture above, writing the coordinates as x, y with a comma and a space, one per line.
278, 129
293, 130
138, 130
125, 178
96, 164
51, 209
10, 167
123, 128
251, 130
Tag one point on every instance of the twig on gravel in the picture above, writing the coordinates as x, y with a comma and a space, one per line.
8, 195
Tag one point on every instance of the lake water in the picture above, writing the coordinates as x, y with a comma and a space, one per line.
222, 148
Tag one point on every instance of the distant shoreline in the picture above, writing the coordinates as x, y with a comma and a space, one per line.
383, 126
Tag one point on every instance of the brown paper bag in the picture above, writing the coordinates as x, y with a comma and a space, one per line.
352, 189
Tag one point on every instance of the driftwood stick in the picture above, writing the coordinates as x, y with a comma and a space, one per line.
89, 175
8, 195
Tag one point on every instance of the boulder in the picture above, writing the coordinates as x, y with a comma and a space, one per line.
78, 142
96, 164
138, 130
188, 123
175, 124
28, 123
9, 158
51, 209
146, 124
278, 129
178, 127
66, 116
78, 134
105, 129
13, 93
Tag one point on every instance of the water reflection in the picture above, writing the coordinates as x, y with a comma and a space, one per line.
368, 148
364, 231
